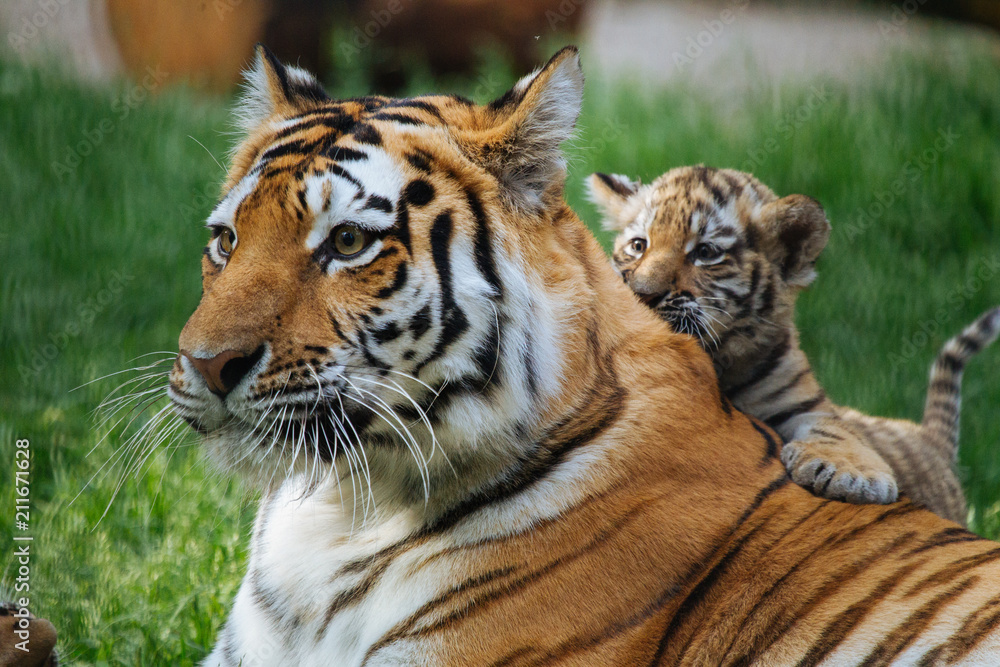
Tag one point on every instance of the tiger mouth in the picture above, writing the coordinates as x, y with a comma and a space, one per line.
684, 318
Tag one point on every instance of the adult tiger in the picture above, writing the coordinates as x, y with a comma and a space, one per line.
478, 447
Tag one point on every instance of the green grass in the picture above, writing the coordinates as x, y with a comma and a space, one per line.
101, 265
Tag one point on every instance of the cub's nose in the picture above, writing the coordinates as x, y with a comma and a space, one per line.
225, 370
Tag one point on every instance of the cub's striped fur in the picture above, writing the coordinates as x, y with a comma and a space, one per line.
719, 256
477, 447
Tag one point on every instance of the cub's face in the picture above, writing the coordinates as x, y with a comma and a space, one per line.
713, 251
358, 270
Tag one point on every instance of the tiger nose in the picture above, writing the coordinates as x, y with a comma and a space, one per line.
225, 370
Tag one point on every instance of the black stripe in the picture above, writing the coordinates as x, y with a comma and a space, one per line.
615, 185
767, 298
944, 538
386, 333
397, 118
453, 320
337, 170
402, 226
953, 570
420, 322
498, 590
711, 576
971, 345
777, 420
773, 449
763, 367
387, 251
747, 307
772, 397
601, 409
343, 154
837, 630
416, 104
378, 203
485, 261
299, 147
367, 353
420, 160
951, 362
339, 332
328, 118
487, 355
976, 627
826, 434
915, 623
528, 359
370, 102
398, 281
364, 133
781, 623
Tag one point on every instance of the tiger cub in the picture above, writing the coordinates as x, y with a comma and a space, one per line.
719, 256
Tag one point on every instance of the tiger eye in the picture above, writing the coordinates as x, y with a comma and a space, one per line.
708, 252
349, 240
637, 246
227, 241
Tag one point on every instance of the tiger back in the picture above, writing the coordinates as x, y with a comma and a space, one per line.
476, 446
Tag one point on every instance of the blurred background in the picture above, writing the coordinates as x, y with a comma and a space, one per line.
115, 125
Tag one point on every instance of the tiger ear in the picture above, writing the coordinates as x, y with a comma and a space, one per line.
271, 88
802, 231
523, 129
610, 193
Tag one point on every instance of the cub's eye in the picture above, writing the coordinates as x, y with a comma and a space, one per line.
706, 252
227, 242
349, 240
636, 246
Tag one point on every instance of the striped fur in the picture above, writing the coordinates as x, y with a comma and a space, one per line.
719, 256
553, 493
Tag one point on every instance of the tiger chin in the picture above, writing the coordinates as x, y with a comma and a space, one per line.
477, 447
719, 256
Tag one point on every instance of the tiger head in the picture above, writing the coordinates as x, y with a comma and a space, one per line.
715, 252
371, 289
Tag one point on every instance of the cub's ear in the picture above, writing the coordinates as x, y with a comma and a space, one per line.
273, 89
610, 193
520, 132
801, 230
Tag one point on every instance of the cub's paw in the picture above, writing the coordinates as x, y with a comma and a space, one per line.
841, 471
